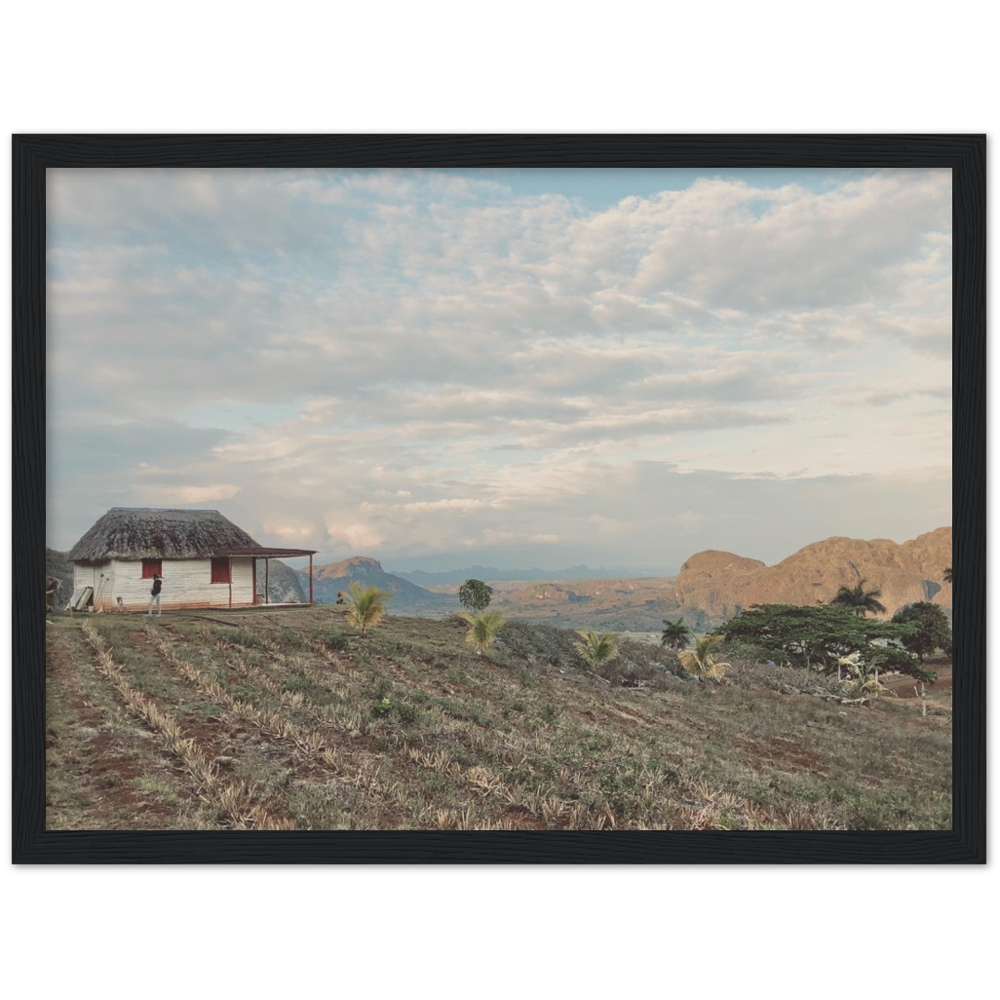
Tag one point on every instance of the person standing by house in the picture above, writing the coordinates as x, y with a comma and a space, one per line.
154, 595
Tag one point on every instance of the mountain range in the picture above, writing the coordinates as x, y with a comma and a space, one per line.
492, 574
330, 579
722, 583
711, 587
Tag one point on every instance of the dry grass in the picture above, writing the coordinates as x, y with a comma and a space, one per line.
234, 798
287, 718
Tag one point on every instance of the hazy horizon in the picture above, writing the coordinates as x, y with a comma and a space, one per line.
511, 368
438, 564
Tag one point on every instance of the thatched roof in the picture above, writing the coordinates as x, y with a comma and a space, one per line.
149, 533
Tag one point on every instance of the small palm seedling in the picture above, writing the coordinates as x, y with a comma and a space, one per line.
483, 629
866, 683
367, 606
850, 662
700, 661
597, 648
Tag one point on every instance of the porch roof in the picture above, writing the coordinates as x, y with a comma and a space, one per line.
265, 552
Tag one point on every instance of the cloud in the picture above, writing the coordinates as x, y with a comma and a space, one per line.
412, 360
171, 495
354, 537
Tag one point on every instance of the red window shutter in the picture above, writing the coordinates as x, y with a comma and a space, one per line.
151, 566
220, 570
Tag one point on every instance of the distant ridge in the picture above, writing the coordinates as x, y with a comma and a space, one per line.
491, 573
711, 587
721, 583
331, 578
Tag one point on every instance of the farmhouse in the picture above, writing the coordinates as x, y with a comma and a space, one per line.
205, 560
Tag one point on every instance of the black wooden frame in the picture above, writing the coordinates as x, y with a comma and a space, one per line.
964, 154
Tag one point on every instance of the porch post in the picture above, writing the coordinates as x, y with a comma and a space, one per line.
230, 581
310, 580
267, 581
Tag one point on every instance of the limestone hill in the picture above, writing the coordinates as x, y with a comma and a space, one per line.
334, 577
721, 583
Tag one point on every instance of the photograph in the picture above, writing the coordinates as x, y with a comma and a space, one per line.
499, 499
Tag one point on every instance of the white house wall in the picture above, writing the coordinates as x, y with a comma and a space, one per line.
90, 576
187, 583
83, 576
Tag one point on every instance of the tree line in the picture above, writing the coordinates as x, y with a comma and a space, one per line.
824, 637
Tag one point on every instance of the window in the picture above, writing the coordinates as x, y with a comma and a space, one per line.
220, 570
151, 566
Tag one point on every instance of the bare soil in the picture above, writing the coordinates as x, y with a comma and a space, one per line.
409, 729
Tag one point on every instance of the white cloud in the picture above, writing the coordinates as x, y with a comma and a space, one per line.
469, 365
355, 537
170, 495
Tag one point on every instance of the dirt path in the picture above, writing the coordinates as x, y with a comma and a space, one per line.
907, 687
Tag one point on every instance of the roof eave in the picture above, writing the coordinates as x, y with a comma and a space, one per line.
265, 552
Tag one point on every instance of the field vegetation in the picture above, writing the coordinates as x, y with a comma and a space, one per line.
290, 719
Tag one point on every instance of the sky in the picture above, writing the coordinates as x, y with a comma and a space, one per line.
516, 368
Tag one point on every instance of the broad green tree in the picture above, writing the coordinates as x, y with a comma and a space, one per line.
483, 629
676, 635
812, 636
597, 648
366, 606
475, 595
928, 628
859, 600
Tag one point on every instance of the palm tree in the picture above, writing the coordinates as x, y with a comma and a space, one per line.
947, 575
861, 601
366, 606
700, 660
676, 634
484, 629
597, 648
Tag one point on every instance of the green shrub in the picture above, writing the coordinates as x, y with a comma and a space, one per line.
382, 708
406, 714
338, 642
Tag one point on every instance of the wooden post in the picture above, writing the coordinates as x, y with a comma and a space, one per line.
230, 581
310, 581
267, 581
